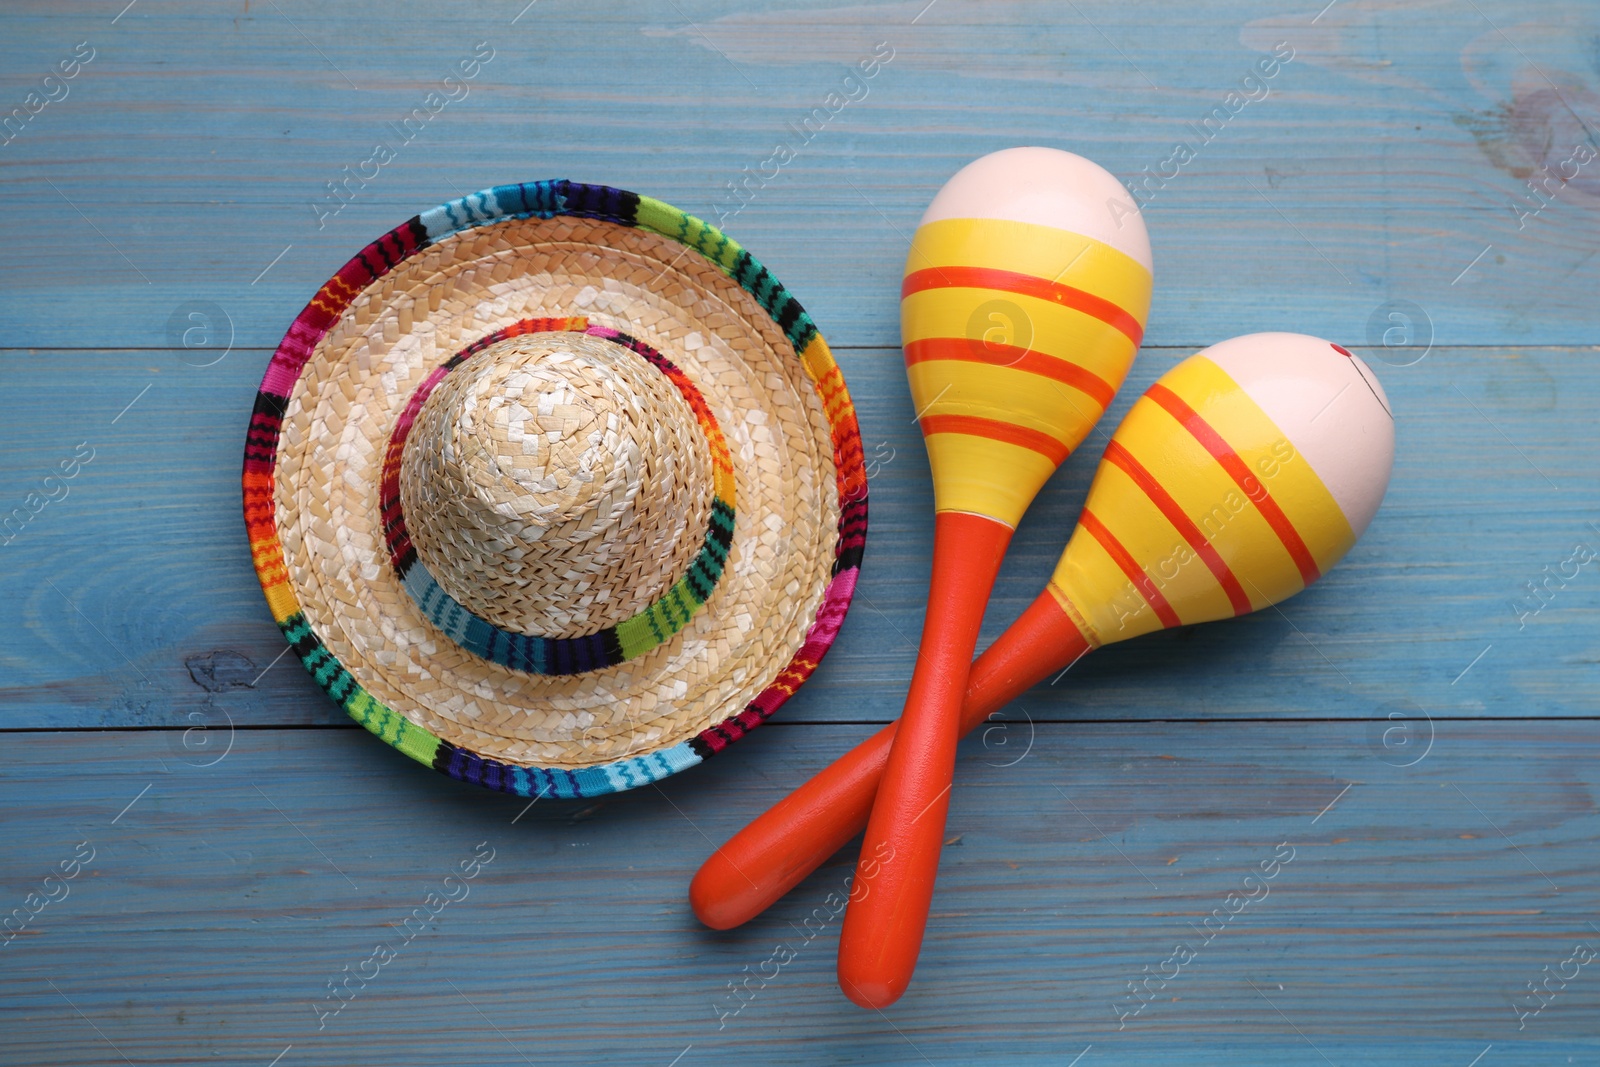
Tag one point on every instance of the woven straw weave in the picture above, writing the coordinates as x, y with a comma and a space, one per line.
556, 483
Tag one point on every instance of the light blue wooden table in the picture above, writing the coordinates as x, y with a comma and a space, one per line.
1425, 751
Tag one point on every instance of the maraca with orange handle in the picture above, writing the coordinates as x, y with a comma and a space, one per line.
1051, 242
1241, 475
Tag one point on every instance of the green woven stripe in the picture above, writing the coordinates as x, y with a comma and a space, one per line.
665, 617
323, 667
701, 236
295, 628
733, 260
636, 636
682, 603
775, 300
393, 728
670, 609
677, 605
760, 283
359, 704
661, 218
702, 573
364, 710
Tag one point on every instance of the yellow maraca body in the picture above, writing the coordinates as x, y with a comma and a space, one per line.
1209, 502
1019, 320
1023, 303
1241, 475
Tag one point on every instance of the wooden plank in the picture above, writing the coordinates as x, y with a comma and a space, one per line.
1442, 861
138, 606
1388, 161
1407, 908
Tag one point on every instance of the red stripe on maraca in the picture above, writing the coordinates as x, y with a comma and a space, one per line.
970, 351
1141, 581
995, 430
1009, 281
1224, 454
1182, 523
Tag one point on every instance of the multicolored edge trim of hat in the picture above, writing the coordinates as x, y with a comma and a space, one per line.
548, 199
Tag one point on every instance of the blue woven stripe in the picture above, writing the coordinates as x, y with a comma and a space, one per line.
519, 652
466, 766
543, 199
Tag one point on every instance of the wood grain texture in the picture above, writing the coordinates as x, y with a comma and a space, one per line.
1388, 154
138, 605
1430, 757
219, 905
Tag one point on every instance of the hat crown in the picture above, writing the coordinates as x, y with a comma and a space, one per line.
555, 484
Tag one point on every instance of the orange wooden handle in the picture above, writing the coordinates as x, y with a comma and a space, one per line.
788, 841
797, 835
882, 930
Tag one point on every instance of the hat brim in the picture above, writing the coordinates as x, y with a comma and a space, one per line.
452, 275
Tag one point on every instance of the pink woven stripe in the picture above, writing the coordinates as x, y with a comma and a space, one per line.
835, 603
281, 376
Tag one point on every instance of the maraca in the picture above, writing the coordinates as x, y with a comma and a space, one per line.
1048, 244
1241, 475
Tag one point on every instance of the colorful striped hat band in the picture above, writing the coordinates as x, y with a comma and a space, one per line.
547, 503
560, 655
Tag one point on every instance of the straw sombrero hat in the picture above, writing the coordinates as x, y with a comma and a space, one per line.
556, 489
